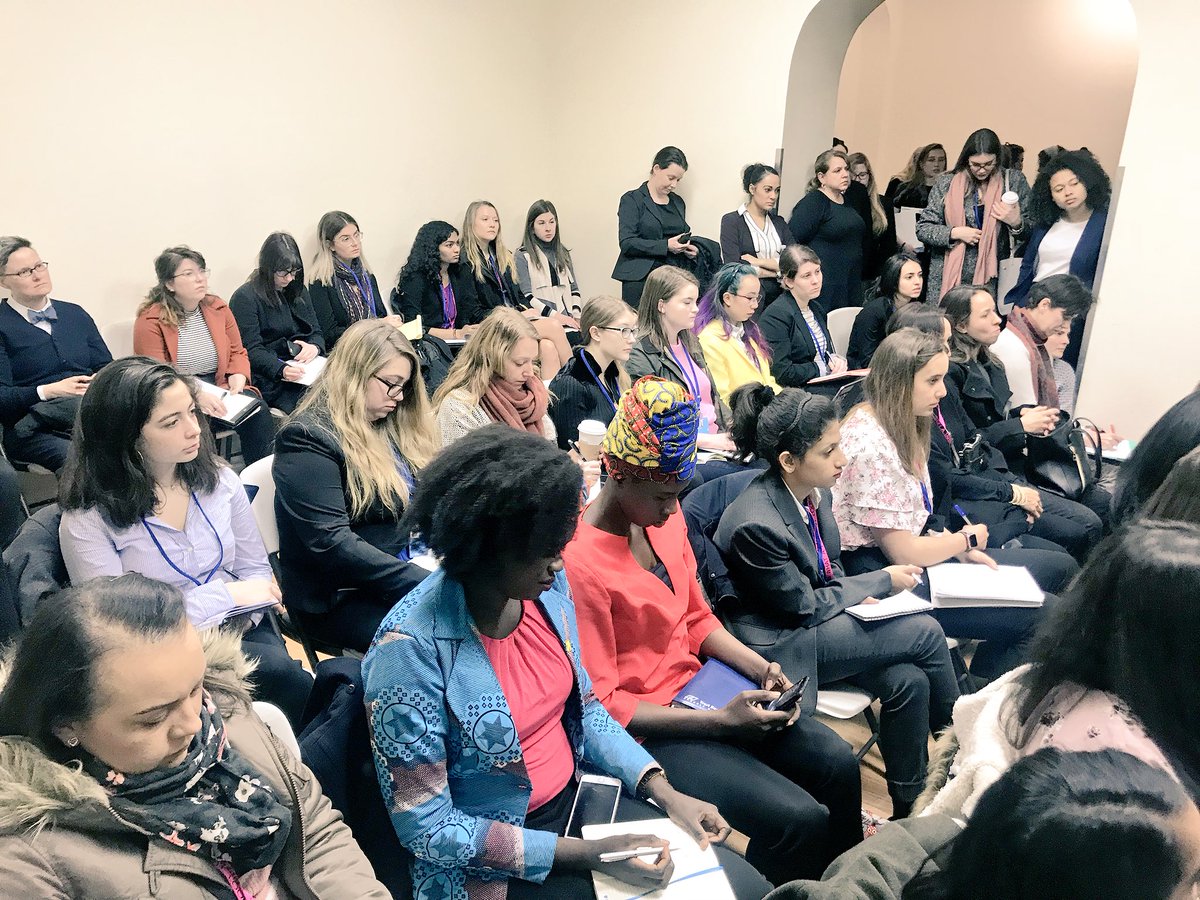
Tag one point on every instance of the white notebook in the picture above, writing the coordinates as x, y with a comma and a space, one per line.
238, 407
312, 369
904, 603
698, 874
970, 584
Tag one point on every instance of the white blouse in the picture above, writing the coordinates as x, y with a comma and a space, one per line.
1057, 248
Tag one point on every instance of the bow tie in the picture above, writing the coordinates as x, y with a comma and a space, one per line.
42, 315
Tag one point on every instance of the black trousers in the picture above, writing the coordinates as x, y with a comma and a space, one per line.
278, 678
747, 883
12, 514
352, 623
28, 441
631, 292
1071, 525
796, 793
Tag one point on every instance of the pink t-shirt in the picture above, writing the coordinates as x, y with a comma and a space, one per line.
536, 676
699, 385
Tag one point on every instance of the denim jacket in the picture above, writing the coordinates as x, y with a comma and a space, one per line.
446, 750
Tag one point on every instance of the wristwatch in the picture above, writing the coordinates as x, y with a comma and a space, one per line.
972, 540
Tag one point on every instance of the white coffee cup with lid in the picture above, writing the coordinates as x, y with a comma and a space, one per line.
591, 438
1012, 198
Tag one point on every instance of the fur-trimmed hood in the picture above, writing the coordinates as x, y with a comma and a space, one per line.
36, 791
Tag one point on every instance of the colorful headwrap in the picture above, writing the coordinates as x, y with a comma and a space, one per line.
653, 434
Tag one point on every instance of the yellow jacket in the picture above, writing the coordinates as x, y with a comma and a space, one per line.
729, 363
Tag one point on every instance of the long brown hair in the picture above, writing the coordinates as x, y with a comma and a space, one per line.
878, 219
661, 285
165, 265
957, 304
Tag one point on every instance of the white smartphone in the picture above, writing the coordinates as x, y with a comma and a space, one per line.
595, 803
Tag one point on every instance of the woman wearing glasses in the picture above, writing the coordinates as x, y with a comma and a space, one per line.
181, 323
734, 348
967, 225
590, 385
343, 288
278, 325
344, 470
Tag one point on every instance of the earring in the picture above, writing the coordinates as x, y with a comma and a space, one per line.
72, 742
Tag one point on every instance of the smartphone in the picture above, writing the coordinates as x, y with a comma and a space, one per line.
595, 803
685, 238
789, 699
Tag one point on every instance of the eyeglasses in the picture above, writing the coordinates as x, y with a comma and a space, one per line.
347, 239
194, 274
864, 177
284, 273
26, 272
755, 298
395, 389
628, 333
984, 166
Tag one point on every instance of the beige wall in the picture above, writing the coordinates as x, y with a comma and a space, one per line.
1068, 78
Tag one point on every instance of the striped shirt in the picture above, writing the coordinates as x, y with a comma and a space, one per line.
818, 336
767, 243
197, 352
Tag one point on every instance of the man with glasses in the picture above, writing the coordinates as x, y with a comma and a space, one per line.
51, 350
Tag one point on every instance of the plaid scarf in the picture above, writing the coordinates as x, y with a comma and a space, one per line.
357, 305
1035, 345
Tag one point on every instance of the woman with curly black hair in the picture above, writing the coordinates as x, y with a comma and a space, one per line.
435, 287
480, 709
1069, 210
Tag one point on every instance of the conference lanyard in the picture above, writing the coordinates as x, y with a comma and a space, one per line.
599, 380
693, 379
449, 305
817, 339
941, 424
366, 294
499, 279
814, 529
925, 499
171, 562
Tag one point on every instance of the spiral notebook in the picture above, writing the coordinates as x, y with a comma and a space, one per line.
904, 603
698, 873
968, 584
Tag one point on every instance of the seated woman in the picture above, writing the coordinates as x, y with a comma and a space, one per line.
480, 792
734, 348
343, 289
144, 491
783, 551
591, 383
436, 287
181, 323
495, 273
277, 322
983, 387
900, 283
545, 273
754, 233
344, 469
786, 781
668, 349
1174, 435
794, 326
883, 500
495, 378
136, 767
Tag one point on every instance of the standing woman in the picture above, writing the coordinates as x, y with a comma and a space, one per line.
900, 283
345, 468
754, 233
545, 273
277, 321
181, 323
651, 220
880, 237
495, 272
734, 348
434, 285
343, 288
495, 378
592, 382
823, 221
795, 327
1068, 210
144, 492
966, 224
918, 180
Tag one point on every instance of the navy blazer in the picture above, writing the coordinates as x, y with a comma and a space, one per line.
642, 234
1083, 261
793, 350
31, 357
736, 240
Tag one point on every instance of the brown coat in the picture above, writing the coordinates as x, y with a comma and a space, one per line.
59, 838
155, 338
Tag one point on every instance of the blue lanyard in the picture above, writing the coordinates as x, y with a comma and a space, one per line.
367, 295
599, 380
499, 279
925, 499
171, 563
694, 379
824, 354
814, 529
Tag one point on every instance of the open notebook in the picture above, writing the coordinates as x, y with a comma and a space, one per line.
698, 873
970, 584
238, 407
904, 603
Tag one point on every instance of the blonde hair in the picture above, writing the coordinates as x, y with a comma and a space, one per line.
477, 253
327, 229
486, 354
878, 219
821, 167
889, 393
370, 447
661, 285
600, 312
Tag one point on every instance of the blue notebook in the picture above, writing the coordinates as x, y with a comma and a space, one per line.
712, 687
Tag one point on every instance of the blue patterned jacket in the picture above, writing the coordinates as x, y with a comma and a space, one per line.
446, 749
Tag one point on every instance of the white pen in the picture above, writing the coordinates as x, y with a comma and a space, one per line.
622, 855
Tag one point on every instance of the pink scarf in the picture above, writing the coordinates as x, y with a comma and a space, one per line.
522, 408
1039, 359
986, 264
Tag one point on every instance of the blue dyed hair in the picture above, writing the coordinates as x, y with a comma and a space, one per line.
729, 280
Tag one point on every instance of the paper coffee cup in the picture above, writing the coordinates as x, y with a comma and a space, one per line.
1010, 197
591, 438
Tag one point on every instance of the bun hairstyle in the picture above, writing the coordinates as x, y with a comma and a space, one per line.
767, 424
754, 173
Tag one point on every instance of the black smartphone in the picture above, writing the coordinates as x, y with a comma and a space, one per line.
595, 803
789, 699
685, 238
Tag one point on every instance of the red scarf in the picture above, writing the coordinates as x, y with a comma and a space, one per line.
522, 407
986, 263
1039, 360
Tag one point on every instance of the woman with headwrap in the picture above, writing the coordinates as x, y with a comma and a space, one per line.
786, 781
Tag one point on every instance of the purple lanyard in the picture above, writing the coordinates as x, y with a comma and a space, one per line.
822, 555
599, 381
499, 279
449, 305
693, 380
365, 294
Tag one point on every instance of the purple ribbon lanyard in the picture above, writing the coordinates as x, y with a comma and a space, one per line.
815, 530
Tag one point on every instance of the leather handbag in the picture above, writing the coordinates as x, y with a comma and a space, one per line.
1059, 462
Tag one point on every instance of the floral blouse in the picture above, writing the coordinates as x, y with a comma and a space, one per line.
874, 490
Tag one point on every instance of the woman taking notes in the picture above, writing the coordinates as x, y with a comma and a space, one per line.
734, 348
795, 329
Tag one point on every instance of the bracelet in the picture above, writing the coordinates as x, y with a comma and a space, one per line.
644, 782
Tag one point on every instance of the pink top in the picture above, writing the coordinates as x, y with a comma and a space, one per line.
699, 385
535, 674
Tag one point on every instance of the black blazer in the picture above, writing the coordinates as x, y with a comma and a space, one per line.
983, 388
868, 331
331, 314
321, 549
736, 240
266, 331
646, 359
643, 228
576, 396
793, 350
488, 292
416, 296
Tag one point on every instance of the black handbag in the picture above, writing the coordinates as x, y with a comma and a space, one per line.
1059, 462
436, 358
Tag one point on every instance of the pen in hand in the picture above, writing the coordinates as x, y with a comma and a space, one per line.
637, 853
962, 515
